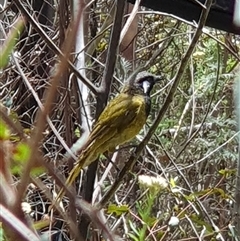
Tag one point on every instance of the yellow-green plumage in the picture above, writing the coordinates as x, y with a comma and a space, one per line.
116, 125
120, 121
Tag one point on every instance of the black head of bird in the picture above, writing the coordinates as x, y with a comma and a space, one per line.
142, 86
145, 82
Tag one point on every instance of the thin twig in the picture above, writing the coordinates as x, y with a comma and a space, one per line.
51, 44
43, 114
112, 51
133, 158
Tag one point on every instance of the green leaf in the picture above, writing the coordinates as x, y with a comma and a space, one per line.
150, 221
21, 153
38, 225
172, 182
201, 222
227, 172
77, 132
131, 236
118, 210
37, 171
133, 228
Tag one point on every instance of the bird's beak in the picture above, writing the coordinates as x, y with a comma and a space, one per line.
146, 86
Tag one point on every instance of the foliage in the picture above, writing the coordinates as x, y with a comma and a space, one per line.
194, 148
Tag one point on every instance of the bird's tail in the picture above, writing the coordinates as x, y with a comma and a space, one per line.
86, 158
70, 179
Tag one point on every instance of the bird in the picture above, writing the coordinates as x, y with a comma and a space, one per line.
120, 121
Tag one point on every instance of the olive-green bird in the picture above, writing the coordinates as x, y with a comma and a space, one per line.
120, 121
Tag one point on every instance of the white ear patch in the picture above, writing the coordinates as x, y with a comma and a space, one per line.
146, 86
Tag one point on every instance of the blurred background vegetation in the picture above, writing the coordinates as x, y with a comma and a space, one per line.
194, 148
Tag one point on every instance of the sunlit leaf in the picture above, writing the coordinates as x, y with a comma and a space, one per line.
227, 172
21, 153
118, 210
20, 156
36, 171
172, 182
77, 132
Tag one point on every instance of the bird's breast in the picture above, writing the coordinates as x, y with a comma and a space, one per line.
136, 123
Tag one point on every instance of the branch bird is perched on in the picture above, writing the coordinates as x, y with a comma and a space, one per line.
120, 121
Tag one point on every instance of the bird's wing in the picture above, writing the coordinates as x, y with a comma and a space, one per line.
121, 111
